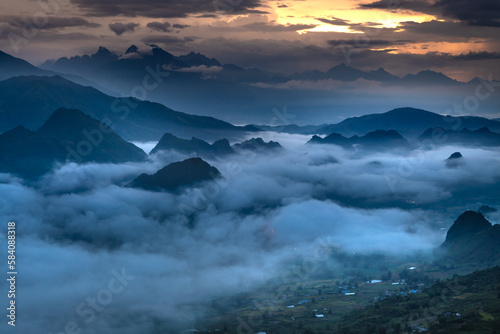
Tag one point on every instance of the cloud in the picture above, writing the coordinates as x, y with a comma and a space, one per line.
369, 43
180, 26
475, 13
79, 226
162, 9
119, 28
158, 26
422, 6
53, 22
273, 28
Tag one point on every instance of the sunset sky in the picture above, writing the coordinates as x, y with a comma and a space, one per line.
457, 37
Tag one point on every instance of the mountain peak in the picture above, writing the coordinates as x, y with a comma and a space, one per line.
66, 120
132, 49
176, 175
467, 224
456, 155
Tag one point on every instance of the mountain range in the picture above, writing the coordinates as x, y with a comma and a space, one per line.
479, 137
68, 135
197, 84
219, 148
105, 60
193, 146
379, 139
29, 101
409, 122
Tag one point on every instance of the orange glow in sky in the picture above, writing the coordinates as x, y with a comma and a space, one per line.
307, 12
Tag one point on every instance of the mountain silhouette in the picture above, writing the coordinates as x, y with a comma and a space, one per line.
410, 122
379, 139
175, 175
194, 146
479, 137
67, 136
30, 100
472, 239
257, 144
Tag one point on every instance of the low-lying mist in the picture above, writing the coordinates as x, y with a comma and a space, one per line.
113, 259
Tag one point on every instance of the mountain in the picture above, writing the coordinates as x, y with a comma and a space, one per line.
379, 139
479, 137
258, 144
455, 156
292, 128
410, 122
68, 135
194, 146
11, 66
472, 238
454, 160
175, 175
30, 100
485, 209
197, 59
346, 73
79, 64
381, 75
429, 78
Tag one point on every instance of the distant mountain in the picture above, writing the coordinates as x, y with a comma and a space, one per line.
379, 139
178, 174
68, 135
429, 78
485, 209
454, 160
29, 101
258, 144
410, 122
381, 75
346, 73
197, 59
292, 128
194, 146
472, 238
11, 66
479, 137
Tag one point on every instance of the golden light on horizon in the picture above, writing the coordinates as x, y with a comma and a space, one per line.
308, 12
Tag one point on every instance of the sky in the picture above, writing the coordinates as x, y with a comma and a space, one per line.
456, 37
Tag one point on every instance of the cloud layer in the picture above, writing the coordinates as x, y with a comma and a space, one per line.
79, 227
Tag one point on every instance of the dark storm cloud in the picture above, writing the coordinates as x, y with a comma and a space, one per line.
445, 31
473, 12
482, 55
119, 28
165, 9
422, 6
159, 26
53, 22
